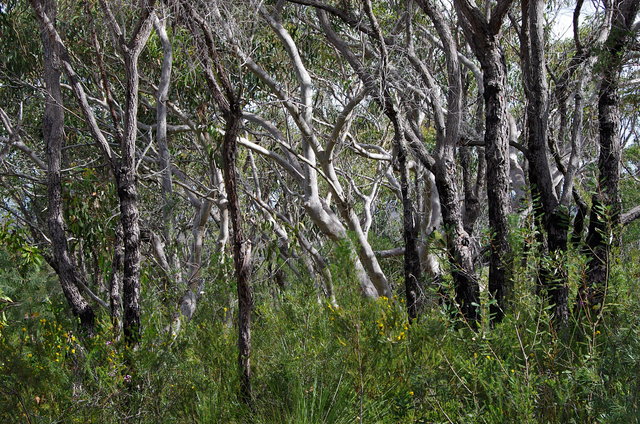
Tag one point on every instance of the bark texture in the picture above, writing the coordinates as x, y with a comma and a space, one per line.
115, 283
605, 213
227, 100
241, 251
467, 291
53, 132
551, 217
482, 34
125, 168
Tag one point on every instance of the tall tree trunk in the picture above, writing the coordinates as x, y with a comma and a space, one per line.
129, 215
241, 249
497, 156
458, 241
53, 132
552, 218
606, 204
482, 34
227, 99
467, 291
125, 170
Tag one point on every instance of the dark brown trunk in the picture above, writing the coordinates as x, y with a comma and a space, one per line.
606, 205
129, 216
472, 205
241, 250
482, 35
412, 268
579, 221
53, 132
497, 156
467, 290
551, 218
227, 100
127, 193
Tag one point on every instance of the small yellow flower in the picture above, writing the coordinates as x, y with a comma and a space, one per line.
598, 332
488, 357
29, 355
73, 351
410, 393
24, 329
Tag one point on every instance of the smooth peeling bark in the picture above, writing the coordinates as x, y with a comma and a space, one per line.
366, 259
53, 133
329, 225
188, 301
162, 96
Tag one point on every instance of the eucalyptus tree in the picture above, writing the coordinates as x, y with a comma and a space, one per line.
53, 134
392, 96
606, 214
307, 160
124, 168
482, 32
228, 100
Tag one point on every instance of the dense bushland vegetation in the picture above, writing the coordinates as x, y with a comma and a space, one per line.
317, 363
312, 211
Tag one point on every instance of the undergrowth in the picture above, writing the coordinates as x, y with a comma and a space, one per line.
316, 363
